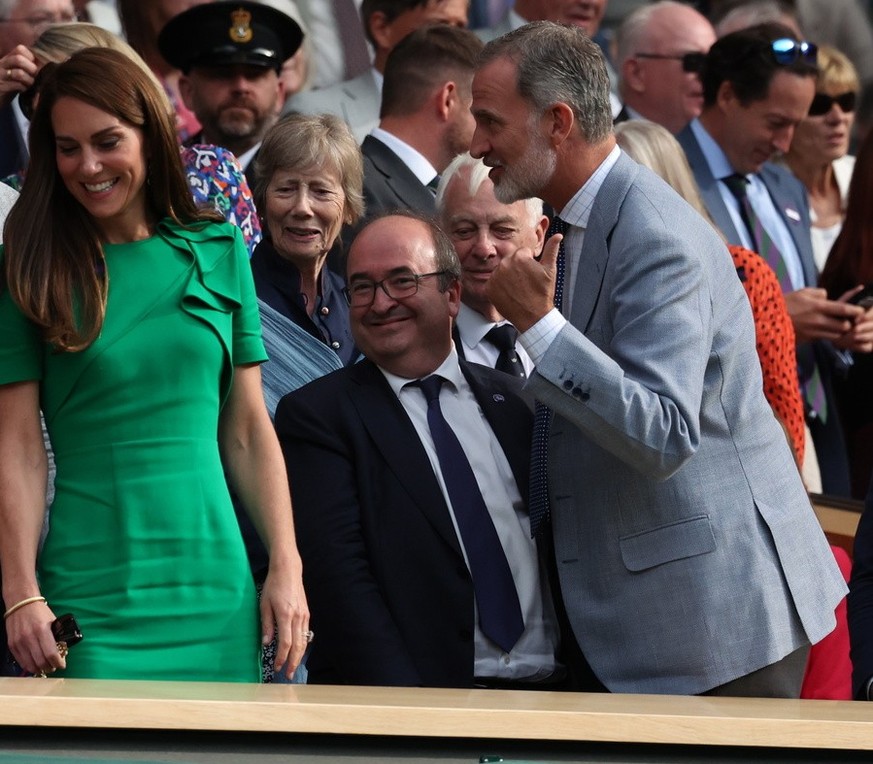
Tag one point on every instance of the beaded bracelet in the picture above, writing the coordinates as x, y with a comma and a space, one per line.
19, 605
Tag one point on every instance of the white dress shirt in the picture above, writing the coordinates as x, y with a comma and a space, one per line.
414, 160
533, 656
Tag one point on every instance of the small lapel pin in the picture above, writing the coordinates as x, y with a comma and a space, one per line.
498, 398
792, 214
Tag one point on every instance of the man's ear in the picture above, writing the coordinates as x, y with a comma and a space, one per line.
454, 295
280, 94
726, 98
380, 30
559, 121
540, 230
632, 75
446, 100
185, 89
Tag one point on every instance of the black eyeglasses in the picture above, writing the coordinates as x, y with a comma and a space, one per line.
822, 103
691, 62
787, 51
360, 294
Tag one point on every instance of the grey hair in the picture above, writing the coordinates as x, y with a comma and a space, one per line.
558, 63
478, 175
307, 140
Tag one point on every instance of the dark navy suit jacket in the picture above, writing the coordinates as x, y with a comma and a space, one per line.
390, 594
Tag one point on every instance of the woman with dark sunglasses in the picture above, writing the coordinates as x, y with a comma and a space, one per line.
819, 152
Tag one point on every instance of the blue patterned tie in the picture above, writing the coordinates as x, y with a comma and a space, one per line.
500, 616
538, 506
810, 377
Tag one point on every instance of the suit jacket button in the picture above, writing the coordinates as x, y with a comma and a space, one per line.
578, 393
335, 345
568, 384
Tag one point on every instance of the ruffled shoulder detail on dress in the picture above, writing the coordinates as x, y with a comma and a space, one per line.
214, 284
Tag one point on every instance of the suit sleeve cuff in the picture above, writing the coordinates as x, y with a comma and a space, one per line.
539, 337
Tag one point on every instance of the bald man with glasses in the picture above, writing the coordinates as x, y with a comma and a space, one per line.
661, 48
409, 474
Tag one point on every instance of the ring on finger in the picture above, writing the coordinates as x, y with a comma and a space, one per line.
308, 636
62, 648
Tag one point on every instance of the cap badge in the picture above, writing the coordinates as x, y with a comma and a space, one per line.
241, 29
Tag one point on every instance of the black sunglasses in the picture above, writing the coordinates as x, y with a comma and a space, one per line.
691, 62
787, 51
822, 103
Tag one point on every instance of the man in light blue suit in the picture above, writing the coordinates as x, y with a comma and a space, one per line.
689, 557
754, 96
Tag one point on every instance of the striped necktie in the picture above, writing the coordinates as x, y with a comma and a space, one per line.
810, 377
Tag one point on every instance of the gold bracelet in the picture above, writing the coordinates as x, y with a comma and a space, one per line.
19, 605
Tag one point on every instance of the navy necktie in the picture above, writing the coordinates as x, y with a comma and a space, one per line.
500, 616
503, 338
538, 505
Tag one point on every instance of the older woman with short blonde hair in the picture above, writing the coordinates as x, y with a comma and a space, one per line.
819, 154
310, 184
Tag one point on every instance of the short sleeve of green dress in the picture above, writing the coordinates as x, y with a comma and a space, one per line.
143, 544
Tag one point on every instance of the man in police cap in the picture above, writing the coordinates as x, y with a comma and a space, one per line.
230, 54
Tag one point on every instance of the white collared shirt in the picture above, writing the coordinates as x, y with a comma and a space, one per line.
246, 158
472, 328
533, 656
415, 161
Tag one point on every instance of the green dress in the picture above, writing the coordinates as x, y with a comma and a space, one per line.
143, 545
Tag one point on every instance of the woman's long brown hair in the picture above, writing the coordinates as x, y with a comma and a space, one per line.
53, 253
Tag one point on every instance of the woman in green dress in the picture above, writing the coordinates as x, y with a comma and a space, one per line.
129, 318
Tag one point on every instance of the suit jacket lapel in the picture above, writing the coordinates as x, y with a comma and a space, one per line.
595, 249
510, 419
400, 179
708, 185
784, 200
394, 435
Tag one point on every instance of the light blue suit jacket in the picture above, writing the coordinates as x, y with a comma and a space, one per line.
687, 549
